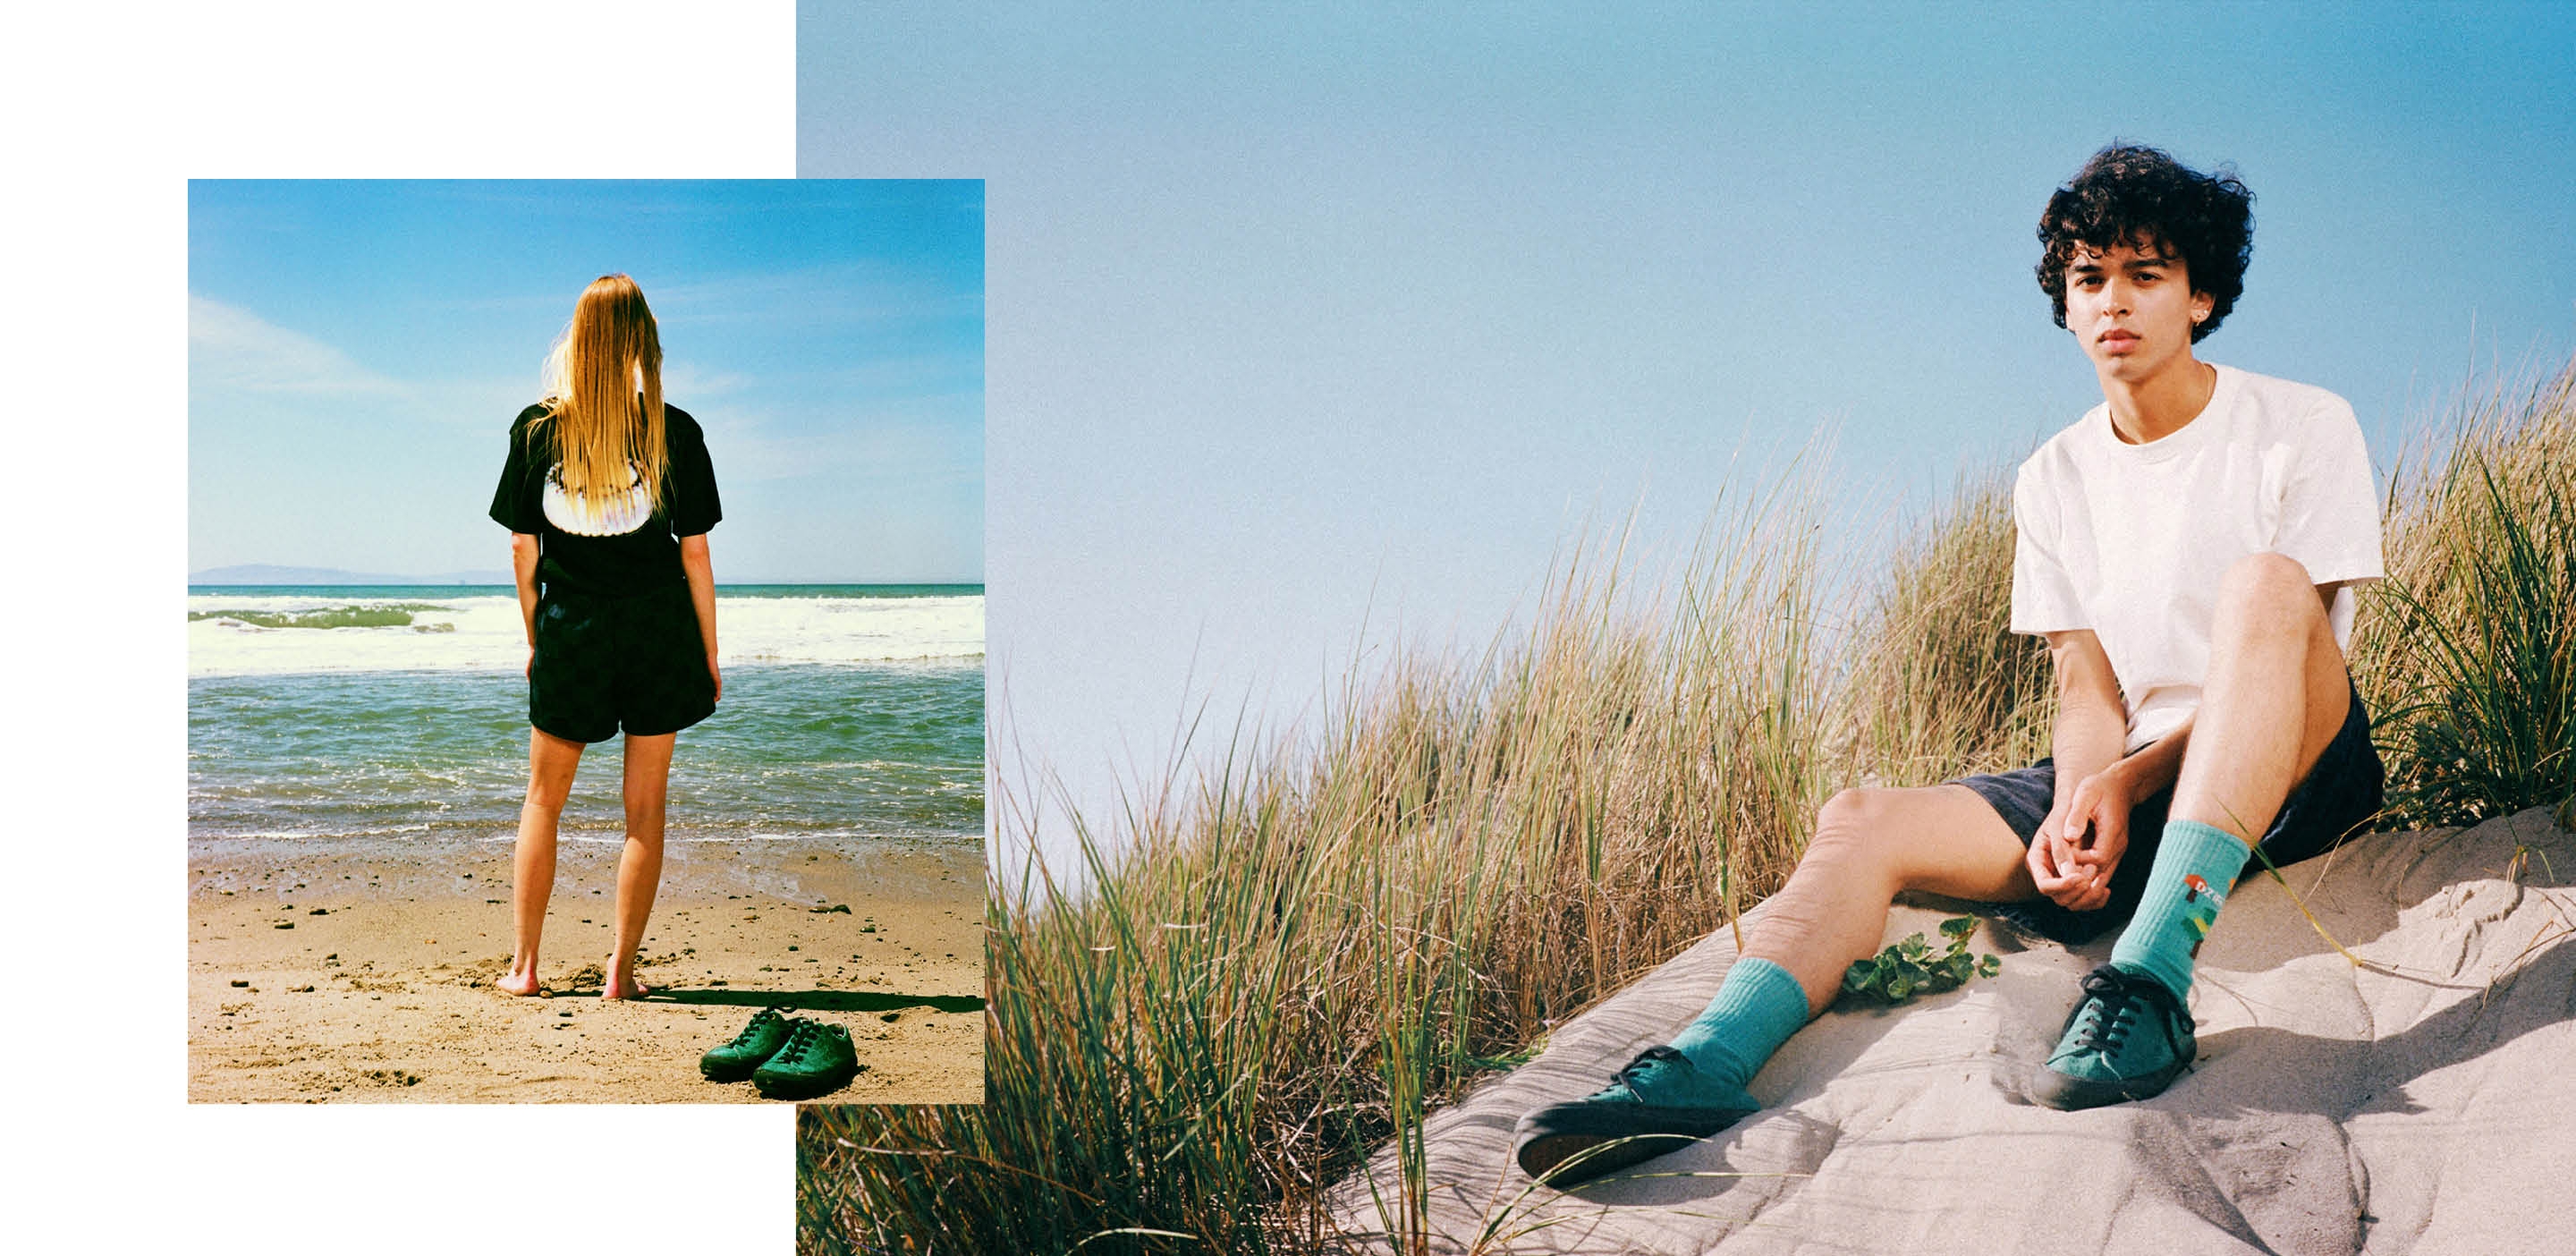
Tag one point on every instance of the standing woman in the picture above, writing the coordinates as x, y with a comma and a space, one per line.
608, 496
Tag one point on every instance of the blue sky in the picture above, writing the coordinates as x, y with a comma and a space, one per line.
355, 345
1313, 319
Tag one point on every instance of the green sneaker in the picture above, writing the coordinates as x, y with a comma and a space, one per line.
759, 1040
1658, 1104
817, 1060
2128, 1039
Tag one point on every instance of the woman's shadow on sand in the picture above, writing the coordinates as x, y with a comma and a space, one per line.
803, 1000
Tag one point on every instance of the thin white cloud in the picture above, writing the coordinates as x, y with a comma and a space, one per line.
685, 379
898, 443
232, 348
484, 402
864, 292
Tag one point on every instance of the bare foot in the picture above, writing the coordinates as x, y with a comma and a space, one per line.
521, 984
623, 986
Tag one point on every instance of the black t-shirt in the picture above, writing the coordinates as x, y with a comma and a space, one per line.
622, 551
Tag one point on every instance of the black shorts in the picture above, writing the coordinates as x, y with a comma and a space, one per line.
603, 663
2338, 796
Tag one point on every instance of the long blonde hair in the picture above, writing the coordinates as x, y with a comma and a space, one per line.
604, 393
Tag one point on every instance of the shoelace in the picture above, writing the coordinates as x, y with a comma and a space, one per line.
797, 1040
1636, 1068
2108, 1023
761, 1018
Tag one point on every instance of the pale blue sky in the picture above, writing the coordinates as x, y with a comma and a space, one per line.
1308, 318
357, 351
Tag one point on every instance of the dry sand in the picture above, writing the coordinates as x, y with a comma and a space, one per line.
321, 977
2425, 1102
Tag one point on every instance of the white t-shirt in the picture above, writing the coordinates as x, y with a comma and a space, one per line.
2132, 540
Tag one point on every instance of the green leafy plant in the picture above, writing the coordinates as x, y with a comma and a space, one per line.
1910, 968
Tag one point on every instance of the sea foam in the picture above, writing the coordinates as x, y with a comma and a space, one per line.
485, 633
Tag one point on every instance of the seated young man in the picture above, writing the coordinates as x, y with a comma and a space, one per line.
2187, 548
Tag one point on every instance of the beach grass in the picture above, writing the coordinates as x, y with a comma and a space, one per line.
1276, 967
2464, 651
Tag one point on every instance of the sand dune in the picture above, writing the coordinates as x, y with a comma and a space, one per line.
2424, 1102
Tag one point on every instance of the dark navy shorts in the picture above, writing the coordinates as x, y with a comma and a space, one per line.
606, 663
2339, 796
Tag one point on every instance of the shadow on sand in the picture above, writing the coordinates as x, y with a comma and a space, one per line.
803, 1000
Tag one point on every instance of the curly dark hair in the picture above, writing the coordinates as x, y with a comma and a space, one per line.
2138, 196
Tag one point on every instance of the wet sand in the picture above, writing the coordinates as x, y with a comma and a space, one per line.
317, 976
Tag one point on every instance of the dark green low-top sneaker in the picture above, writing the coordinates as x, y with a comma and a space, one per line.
1659, 1103
2128, 1039
817, 1060
759, 1040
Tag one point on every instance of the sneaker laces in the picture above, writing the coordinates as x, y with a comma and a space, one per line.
797, 1040
750, 1031
1636, 1070
2112, 1006
802, 1038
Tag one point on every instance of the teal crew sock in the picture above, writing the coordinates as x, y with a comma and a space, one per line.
1756, 1009
2195, 869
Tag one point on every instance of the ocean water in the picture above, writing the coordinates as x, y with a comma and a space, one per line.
357, 714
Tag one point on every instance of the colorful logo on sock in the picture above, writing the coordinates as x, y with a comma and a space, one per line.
2194, 891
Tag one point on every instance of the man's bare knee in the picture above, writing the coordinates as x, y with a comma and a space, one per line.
1852, 828
2275, 582
1943, 840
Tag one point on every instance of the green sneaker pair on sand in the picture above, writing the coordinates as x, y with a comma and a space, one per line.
2128, 1038
785, 1057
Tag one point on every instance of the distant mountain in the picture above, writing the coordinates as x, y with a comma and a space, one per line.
270, 573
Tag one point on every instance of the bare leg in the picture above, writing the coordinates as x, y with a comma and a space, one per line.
2275, 695
1869, 844
551, 764
639, 866
2271, 700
